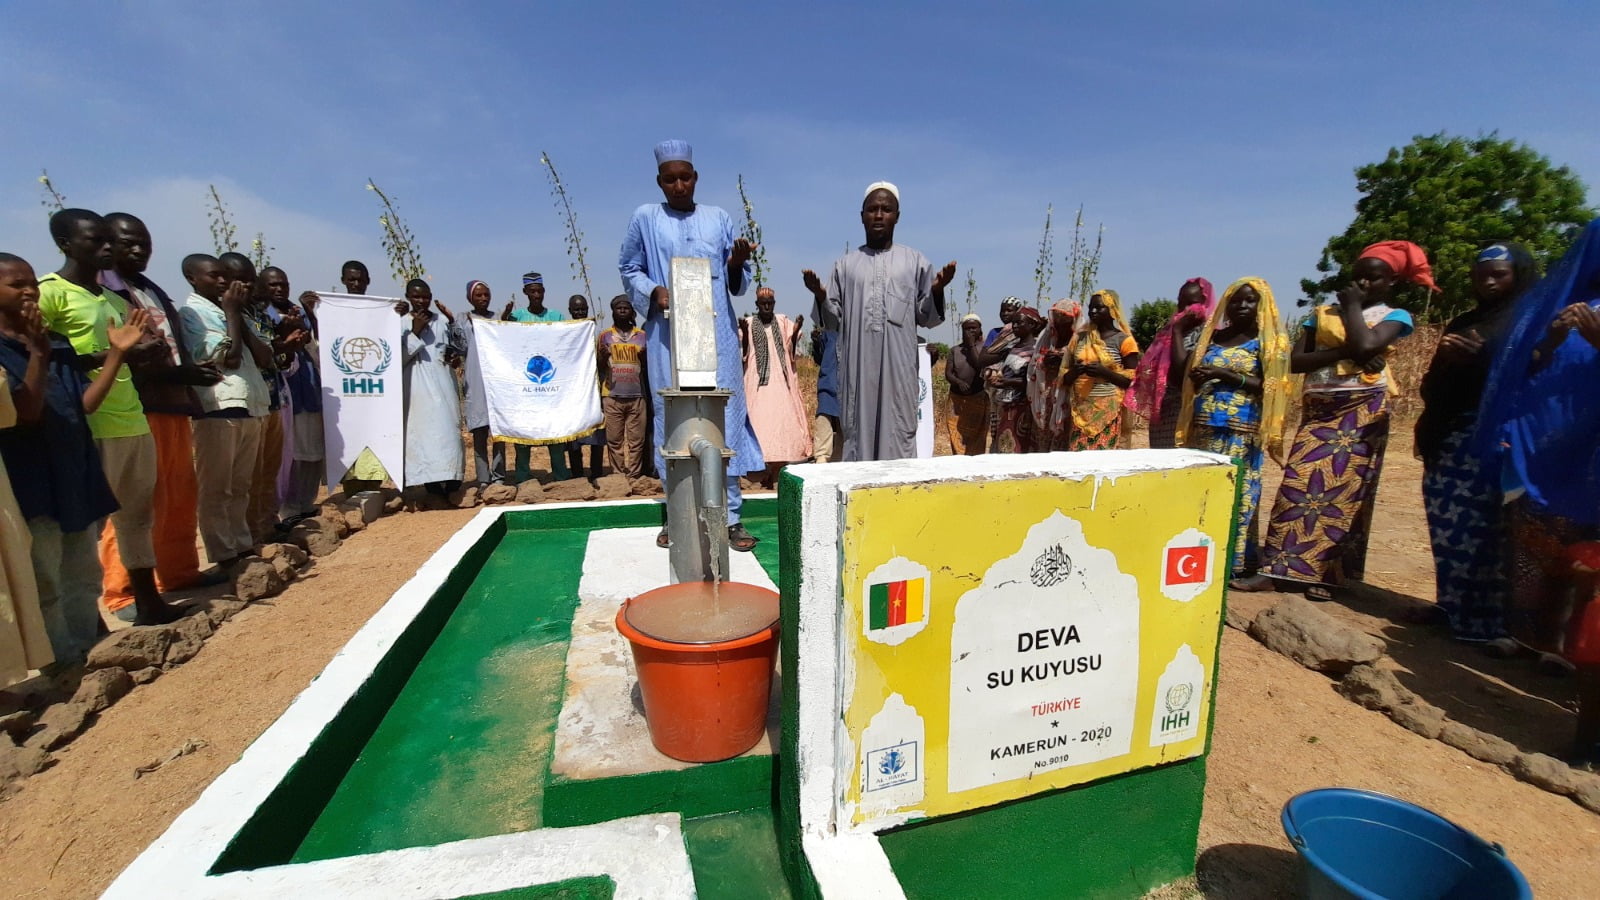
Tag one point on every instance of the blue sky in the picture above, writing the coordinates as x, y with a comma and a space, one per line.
1211, 139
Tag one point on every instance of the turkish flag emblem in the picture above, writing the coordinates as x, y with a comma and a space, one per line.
1187, 565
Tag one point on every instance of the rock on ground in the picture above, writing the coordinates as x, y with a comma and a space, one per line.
530, 491
499, 493
60, 724
133, 648
257, 579
20, 762
145, 676
221, 609
1588, 793
1237, 619
334, 524
645, 487
1480, 745
314, 536
1314, 639
612, 487
17, 723
291, 554
188, 636
469, 497
102, 687
573, 490
1546, 772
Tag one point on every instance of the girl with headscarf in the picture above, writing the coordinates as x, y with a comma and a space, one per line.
1541, 414
1157, 391
1236, 396
1461, 493
1317, 534
1046, 396
1101, 361
1015, 431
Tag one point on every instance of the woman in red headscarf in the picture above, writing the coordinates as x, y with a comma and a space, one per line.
1317, 534
1156, 394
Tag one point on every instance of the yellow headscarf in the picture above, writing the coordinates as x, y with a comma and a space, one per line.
1276, 382
1088, 346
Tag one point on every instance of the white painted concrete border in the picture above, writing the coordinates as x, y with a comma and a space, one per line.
845, 858
176, 864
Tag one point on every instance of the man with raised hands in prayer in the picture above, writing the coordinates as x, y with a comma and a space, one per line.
877, 297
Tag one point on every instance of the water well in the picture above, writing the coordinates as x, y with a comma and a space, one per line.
484, 733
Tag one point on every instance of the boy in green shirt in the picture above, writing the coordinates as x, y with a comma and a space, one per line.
74, 305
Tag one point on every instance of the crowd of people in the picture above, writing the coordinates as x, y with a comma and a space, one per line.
1509, 437
130, 422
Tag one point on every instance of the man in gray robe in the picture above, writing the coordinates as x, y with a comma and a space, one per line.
876, 298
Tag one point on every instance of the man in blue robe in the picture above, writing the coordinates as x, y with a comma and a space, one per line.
679, 227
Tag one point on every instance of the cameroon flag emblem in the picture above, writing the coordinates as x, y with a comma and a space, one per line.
892, 603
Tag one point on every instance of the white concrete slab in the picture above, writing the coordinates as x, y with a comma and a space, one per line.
601, 732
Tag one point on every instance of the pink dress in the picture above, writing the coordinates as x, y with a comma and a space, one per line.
772, 391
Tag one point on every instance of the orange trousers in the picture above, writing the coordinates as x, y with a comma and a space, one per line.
176, 505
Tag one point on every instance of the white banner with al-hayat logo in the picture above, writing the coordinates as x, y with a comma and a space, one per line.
539, 378
363, 387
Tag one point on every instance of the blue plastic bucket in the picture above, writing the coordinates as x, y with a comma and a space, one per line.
1372, 846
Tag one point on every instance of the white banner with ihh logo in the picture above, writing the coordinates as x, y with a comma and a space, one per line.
925, 423
363, 388
539, 378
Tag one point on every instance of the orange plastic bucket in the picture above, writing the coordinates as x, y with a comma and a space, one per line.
703, 702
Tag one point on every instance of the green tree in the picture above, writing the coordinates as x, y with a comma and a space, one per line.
1452, 195
1148, 317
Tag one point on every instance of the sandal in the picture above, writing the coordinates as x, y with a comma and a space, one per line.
1501, 648
740, 540
1252, 584
1554, 665
1320, 593
662, 540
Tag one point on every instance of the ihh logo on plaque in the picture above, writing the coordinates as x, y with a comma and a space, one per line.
1177, 708
1187, 563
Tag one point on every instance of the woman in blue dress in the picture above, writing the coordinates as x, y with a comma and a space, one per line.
1236, 397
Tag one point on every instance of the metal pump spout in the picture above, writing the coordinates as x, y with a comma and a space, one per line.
709, 455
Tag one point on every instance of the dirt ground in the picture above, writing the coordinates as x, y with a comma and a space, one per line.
1280, 729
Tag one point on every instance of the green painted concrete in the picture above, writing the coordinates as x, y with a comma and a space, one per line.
273, 834
452, 737
597, 887
735, 856
790, 851
463, 749
708, 789
1117, 838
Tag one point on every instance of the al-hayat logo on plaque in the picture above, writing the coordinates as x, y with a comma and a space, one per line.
1187, 564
